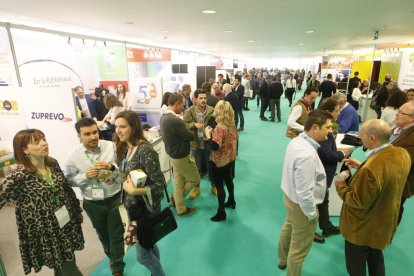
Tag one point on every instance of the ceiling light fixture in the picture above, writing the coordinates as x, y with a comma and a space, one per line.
228, 31
209, 11
309, 32
301, 44
69, 40
145, 53
151, 54
250, 41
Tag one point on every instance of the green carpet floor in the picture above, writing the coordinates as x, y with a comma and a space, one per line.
246, 244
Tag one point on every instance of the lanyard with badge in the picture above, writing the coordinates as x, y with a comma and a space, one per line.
62, 214
122, 167
97, 190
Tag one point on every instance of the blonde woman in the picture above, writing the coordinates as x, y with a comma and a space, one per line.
223, 142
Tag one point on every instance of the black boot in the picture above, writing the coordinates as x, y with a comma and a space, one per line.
230, 204
221, 215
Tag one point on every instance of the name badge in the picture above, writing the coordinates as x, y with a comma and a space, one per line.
98, 193
62, 216
200, 134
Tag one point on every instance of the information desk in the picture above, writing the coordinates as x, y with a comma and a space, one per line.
335, 202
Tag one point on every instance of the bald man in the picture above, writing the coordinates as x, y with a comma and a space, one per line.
403, 136
371, 201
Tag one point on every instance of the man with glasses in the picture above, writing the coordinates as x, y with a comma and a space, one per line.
403, 136
371, 199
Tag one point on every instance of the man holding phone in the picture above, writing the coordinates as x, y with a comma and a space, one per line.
86, 168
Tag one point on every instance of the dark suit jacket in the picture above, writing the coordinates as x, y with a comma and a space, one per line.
212, 100
330, 157
275, 90
91, 105
233, 99
240, 93
327, 88
406, 141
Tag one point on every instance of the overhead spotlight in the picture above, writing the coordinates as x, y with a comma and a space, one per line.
83, 42
145, 53
159, 53
151, 54
94, 44
104, 43
69, 40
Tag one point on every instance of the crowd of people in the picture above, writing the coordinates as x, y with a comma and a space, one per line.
200, 130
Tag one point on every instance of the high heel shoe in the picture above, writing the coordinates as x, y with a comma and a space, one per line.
230, 204
221, 215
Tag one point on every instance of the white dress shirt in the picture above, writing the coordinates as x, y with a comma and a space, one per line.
294, 116
356, 94
303, 177
81, 159
291, 83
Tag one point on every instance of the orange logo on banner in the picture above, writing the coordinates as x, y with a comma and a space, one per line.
137, 55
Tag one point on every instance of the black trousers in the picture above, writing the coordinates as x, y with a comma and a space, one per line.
223, 175
264, 104
357, 258
289, 94
323, 209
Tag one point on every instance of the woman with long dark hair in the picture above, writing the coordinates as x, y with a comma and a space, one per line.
48, 214
133, 151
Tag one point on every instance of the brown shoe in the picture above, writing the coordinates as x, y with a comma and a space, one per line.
189, 211
214, 190
195, 193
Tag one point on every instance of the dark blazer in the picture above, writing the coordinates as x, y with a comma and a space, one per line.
91, 105
212, 100
327, 88
263, 89
240, 93
233, 99
330, 157
275, 90
406, 141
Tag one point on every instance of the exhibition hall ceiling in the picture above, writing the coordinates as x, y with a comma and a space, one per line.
246, 29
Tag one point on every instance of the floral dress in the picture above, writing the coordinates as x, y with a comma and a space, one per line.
42, 241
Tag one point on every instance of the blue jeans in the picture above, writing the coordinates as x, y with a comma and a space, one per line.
150, 258
202, 158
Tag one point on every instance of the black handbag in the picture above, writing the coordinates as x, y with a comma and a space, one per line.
163, 223
351, 140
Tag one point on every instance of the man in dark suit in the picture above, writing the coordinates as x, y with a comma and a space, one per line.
233, 99
353, 82
264, 97
403, 136
238, 89
85, 103
327, 88
186, 91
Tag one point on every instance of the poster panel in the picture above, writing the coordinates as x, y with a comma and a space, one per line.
406, 76
146, 93
52, 111
12, 118
53, 61
7, 71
